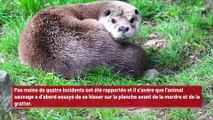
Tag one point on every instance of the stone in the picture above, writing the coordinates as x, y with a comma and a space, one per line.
5, 93
151, 74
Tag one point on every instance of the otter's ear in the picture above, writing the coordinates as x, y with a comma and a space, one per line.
136, 12
107, 12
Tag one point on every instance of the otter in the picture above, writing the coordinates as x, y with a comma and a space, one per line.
71, 39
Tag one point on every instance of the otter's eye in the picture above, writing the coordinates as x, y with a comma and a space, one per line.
106, 13
132, 20
113, 21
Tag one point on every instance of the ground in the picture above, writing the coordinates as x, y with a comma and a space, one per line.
177, 35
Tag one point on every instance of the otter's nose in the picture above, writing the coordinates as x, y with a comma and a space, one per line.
123, 29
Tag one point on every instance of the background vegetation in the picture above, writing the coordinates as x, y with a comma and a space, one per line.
182, 32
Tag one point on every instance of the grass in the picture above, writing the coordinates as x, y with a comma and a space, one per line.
186, 59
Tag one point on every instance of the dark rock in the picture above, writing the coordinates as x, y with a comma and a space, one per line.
5, 92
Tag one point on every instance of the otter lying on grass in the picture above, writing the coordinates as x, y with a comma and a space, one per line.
71, 39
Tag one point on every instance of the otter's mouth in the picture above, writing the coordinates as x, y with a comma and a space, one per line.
120, 36
122, 40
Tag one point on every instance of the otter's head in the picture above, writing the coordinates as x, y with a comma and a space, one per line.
121, 20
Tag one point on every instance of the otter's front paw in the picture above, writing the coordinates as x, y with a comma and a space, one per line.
93, 24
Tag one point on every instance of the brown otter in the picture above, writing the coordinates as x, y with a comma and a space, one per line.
71, 39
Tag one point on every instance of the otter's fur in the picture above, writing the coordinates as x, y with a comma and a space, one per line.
70, 40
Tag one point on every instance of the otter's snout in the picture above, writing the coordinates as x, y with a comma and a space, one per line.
123, 29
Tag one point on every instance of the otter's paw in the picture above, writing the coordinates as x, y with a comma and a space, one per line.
94, 24
151, 73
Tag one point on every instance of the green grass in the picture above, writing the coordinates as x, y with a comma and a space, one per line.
181, 114
186, 31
